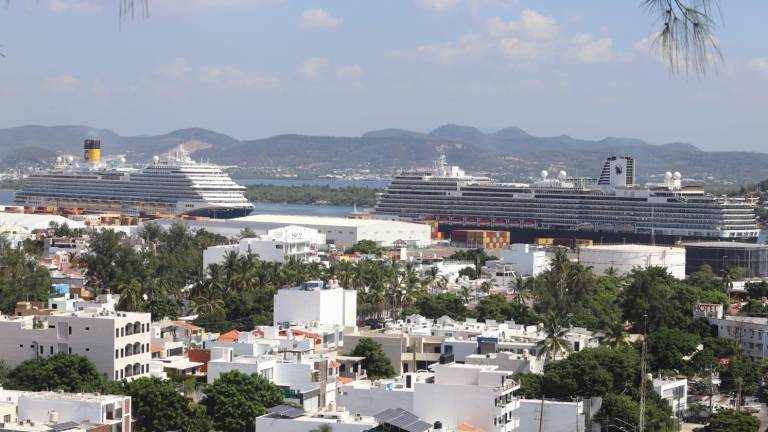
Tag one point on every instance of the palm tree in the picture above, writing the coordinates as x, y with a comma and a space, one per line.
728, 274
131, 296
614, 335
207, 305
554, 343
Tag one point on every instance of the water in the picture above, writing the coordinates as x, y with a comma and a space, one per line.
6, 198
333, 183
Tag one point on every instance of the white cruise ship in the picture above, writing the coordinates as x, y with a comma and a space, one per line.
173, 184
612, 208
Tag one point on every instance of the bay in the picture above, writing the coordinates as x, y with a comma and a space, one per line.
6, 198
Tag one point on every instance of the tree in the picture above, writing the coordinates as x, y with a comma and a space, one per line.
235, 399
554, 343
469, 272
621, 410
667, 347
530, 385
67, 372
732, 421
21, 279
158, 406
593, 372
686, 39
365, 247
496, 307
437, 305
376, 363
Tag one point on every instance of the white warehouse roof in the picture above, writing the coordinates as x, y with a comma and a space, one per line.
35, 221
319, 220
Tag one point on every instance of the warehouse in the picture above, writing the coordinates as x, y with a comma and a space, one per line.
344, 232
623, 258
721, 254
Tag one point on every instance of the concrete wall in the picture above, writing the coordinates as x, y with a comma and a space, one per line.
369, 402
558, 416
268, 424
455, 404
334, 306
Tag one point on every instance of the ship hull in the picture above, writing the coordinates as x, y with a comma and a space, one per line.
220, 213
530, 235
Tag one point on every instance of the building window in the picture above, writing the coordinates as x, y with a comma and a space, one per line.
117, 354
51, 349
87, 328
117, 333
70, 350
87, 349
21, 345
70, 330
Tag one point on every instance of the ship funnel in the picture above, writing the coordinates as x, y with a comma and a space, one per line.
92, 149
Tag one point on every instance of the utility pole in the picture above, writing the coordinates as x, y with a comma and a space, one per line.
641, 422
541, 414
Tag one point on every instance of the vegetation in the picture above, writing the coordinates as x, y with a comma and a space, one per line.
69, 373
307, 194
365, 247
376, 363
21, 279
158, 406
732, 421
235, 399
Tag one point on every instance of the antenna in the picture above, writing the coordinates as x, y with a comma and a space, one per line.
641, 423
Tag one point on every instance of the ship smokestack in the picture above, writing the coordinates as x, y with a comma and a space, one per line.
92, 148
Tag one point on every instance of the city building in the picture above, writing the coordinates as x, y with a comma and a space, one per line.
674, 391
276, 245
623, 258
558, 416
344, 232
721, 254
526, 259
750, 332
318, 302
508, 361
55, 408
284, 418
116, 342
452, 394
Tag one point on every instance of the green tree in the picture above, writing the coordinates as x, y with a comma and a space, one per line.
554, 342
593, 372
365, 247
530, 385
436, 305
21, 279
667, 347
158, 406
67, 372
620, 410
235, 399
376, 363
732, 421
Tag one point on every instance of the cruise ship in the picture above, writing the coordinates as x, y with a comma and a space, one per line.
611, 208
172, 184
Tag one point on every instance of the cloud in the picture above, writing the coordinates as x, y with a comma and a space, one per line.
231, 75
66, 6
467, 46
350, 72
176, 69
587, 49
318, 18
518, 48
63, 84
439, 6
312, 67
529, 25
759, 64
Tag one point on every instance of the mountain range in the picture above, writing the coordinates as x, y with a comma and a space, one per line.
509, 152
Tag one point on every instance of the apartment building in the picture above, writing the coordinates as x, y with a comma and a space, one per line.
118, 343
750, 332
479, 396
51, 410
276, 245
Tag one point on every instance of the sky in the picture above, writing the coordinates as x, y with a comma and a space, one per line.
256, 68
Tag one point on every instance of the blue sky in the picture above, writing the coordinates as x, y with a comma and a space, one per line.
254, 68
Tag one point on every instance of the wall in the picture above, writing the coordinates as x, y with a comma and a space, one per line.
455, 404
624, 261
369, 402
268, 424
558, 416
333, 306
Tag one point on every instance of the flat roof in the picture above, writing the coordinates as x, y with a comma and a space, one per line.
319, 220
631, 247
726, 245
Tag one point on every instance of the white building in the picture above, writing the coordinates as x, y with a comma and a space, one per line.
283, 418
116, 342
345, 232
750, 332
276, 245
507, 361
316, 302
624, 258
455, 394
526, 259
675, 392
307, 380
58, 408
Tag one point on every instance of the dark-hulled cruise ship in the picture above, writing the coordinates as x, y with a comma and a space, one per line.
612, 208
173, 184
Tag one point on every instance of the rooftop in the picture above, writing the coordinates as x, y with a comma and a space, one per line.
631, 247
726, 245
317, 220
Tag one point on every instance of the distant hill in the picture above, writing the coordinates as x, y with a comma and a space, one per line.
509, 152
